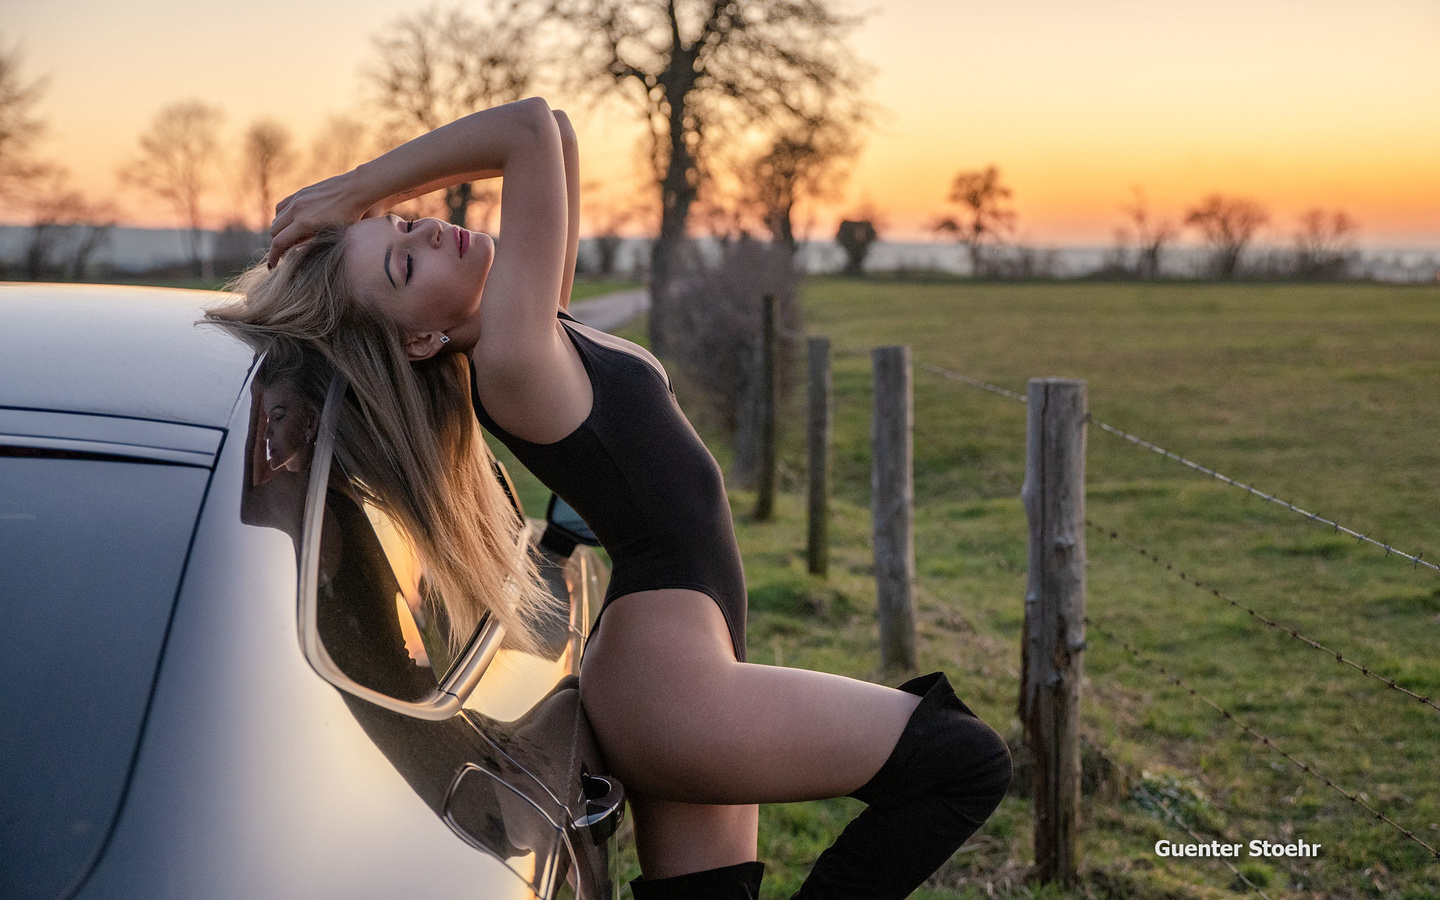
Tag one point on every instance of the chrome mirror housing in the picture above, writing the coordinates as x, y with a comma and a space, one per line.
460, 677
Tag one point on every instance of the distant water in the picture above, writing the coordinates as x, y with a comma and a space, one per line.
141, 249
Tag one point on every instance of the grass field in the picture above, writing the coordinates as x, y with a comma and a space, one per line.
1322, 394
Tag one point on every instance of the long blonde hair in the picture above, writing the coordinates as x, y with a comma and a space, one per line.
407, 435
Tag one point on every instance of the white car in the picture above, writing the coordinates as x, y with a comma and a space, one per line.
218, 678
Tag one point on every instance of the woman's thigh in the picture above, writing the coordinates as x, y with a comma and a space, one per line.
673, 838
680, 719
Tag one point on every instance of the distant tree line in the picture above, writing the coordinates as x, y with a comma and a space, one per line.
754, 111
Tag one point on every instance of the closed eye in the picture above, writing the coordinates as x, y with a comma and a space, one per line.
409, 260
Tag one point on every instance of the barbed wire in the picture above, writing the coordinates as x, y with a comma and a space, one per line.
1175, 817
972, 382
1284, 629
1307, 768
1416, 560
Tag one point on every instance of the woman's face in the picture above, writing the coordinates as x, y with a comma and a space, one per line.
290, 425
425, 276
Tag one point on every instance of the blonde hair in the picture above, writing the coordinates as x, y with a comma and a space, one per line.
406, 435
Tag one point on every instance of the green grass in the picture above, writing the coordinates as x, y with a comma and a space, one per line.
1322, 394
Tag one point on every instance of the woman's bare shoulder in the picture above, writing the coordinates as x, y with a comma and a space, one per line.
537, 390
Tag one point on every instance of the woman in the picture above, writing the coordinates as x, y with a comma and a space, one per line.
697, 735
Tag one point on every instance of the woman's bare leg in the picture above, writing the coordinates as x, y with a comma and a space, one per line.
680, 720
666, 830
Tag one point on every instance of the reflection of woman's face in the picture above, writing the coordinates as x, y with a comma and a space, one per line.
290, 427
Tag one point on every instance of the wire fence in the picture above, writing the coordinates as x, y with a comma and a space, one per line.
1416, 560
1266, 620
1307, 768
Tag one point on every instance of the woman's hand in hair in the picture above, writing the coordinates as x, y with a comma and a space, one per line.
334, 201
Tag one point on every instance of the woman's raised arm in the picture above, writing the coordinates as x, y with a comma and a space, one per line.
477, 146
570, 146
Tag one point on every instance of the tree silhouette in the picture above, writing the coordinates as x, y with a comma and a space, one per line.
19, 127
1151, 236
267, 159
436, 66
1228, 224
985, 217
1323, 248
698, 70
66, 228
803, 160
855, 237
178, 155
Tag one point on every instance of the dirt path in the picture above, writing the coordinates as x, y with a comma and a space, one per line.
610, 311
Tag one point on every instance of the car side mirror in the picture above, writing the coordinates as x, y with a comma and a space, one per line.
564, 529
366, 623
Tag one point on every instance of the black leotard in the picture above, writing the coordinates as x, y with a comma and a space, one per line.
641, 478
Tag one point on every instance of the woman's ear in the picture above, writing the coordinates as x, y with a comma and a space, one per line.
424, 346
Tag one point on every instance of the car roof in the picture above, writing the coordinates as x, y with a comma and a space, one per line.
110, 350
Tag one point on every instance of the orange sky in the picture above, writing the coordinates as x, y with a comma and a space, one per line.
1298, 103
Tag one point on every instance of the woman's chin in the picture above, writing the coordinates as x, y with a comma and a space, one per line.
485, 244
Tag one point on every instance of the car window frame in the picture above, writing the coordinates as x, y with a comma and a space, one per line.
464, 676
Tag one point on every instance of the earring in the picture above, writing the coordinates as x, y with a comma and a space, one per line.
444, 338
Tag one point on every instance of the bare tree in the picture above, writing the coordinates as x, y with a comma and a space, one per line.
606, 216
804, 160
66, 228
19, 128
985, 217
697, 70
1228, 224
177, 161
1152, 234
267, 160
1323, 245
338, 146
93, 233
436, 66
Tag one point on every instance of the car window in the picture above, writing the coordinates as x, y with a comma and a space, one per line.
91, 554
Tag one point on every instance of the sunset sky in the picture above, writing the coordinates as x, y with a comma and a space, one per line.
1297, 103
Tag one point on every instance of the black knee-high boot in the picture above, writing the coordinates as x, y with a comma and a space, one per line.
948, 772
739, 882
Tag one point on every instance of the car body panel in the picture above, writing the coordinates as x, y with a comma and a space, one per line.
253, 776
118, 351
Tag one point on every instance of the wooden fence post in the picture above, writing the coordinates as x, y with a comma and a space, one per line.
765, 489
892, 506
818, 430
1052, 662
